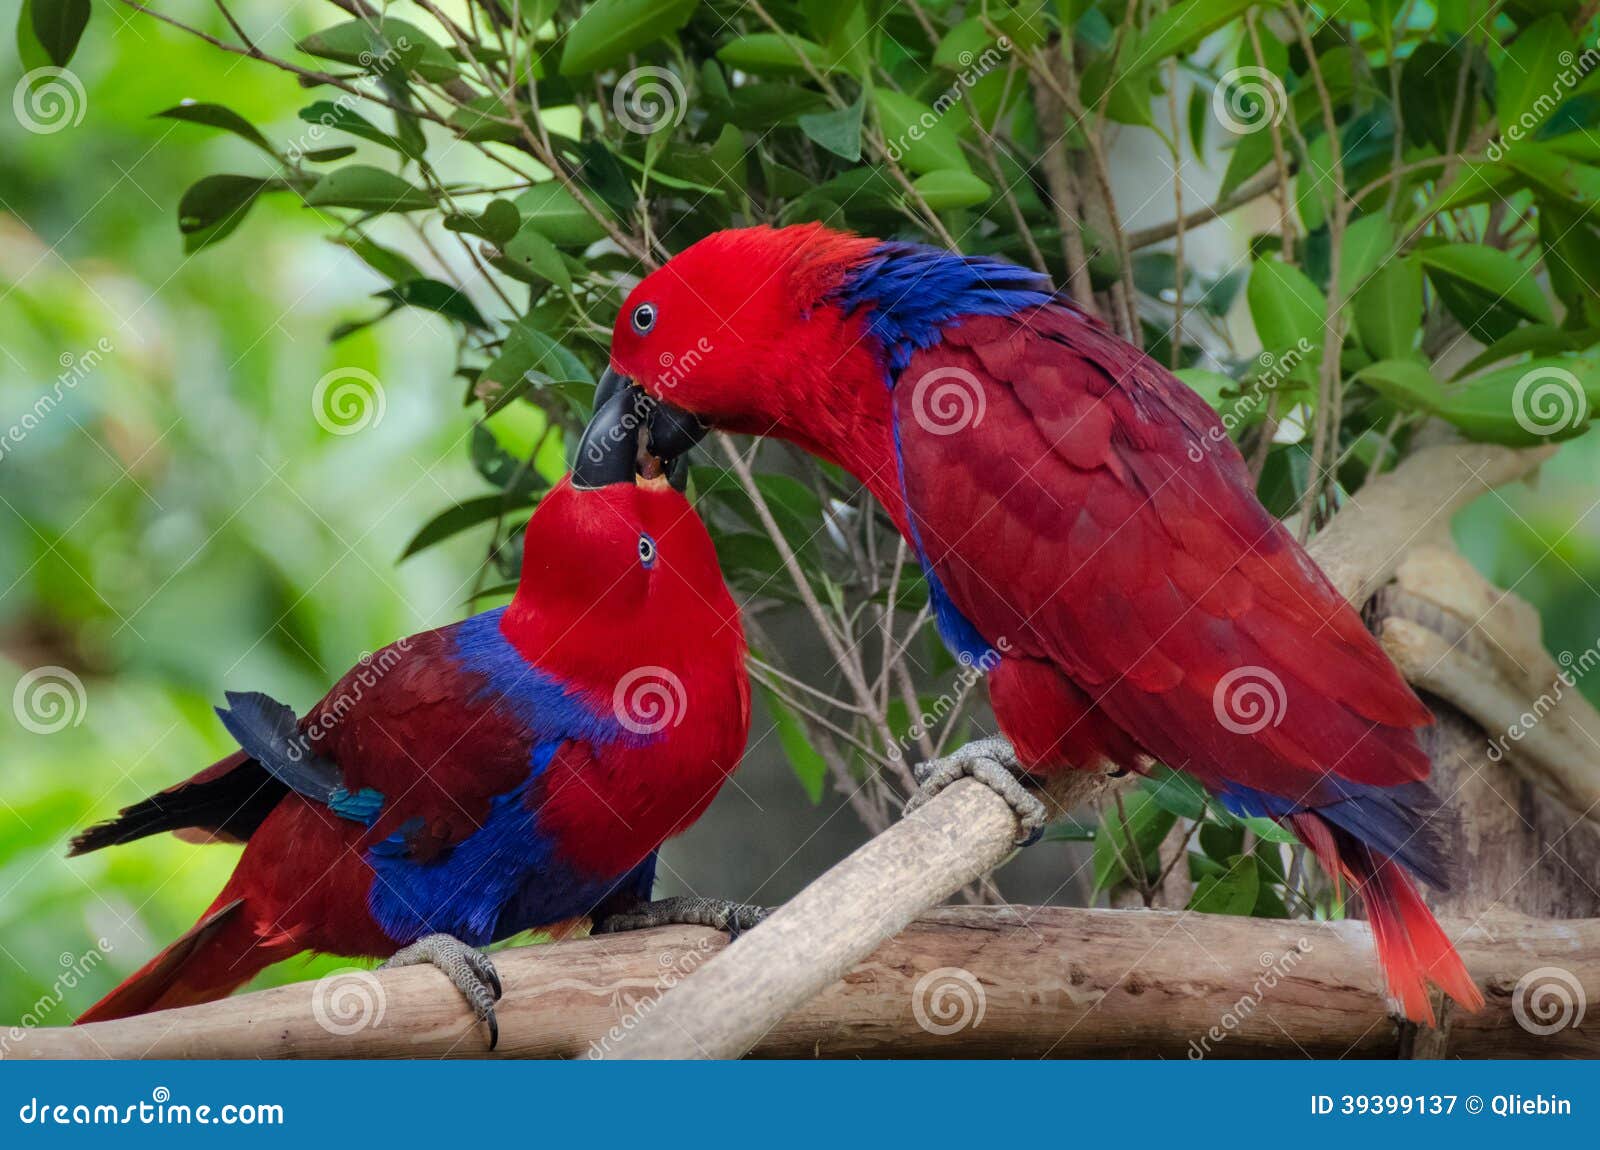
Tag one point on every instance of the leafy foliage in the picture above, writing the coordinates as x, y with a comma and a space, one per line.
1423, 178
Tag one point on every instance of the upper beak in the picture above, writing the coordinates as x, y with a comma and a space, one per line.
609, 445
670, 430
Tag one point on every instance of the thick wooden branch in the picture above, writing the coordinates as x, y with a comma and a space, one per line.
972, 981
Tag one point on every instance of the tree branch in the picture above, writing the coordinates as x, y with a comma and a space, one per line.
1051, 981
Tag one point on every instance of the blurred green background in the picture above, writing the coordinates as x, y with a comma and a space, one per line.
179, 522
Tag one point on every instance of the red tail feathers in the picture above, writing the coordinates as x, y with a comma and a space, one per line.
1412, 946
212, 959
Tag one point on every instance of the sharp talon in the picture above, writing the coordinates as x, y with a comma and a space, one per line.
470, 970
994, 763
688, 910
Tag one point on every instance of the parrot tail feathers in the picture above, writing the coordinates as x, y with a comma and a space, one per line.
1412, 947
209, 961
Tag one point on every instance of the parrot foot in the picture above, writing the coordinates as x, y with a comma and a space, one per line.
688, 910
993, 762
470, 970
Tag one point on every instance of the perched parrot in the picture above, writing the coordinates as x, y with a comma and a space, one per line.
1087, 530
516, 770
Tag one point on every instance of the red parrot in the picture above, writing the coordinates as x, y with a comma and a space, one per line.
1086, 529
516, 770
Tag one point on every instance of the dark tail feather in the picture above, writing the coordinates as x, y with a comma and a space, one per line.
1412, 947
215, 957
228, 800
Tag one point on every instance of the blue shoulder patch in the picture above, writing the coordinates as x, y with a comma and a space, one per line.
547, 707
912, 291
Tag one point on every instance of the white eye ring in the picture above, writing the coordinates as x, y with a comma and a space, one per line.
647, 551
643, 318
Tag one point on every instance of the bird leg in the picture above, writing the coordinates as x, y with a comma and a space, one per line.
470, 970
993, 762
689, 910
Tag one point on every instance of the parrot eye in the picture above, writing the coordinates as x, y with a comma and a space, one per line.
647, 552
644, 318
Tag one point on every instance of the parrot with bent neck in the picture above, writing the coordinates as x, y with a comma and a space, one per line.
516, 770
1087, 530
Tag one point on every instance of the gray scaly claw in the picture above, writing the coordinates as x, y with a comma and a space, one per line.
993, 763
689, 910
469, 969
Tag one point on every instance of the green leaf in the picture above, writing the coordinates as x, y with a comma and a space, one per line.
609, 30
531, 250
1405, 383
497, 223
1368, 242
211, 208
368, 189
951, 189
1488, 278
809, 767
1285, 305
1527, 86
431, 295
1114, 859
327, 114
1176, 792
763, 53
1540, 339
838, 130
1388, 309
1541, 401
917, 136
58, 26
464, 515
382, 45
1232, 892
556, 214
385, 261
217, 116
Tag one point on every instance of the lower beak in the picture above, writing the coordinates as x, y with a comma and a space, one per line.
609, 445
670, 430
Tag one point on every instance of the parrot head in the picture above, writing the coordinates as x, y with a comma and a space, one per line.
729, 334
617, 566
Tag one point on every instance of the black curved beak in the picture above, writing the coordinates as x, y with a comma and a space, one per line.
610, 443
670, 431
